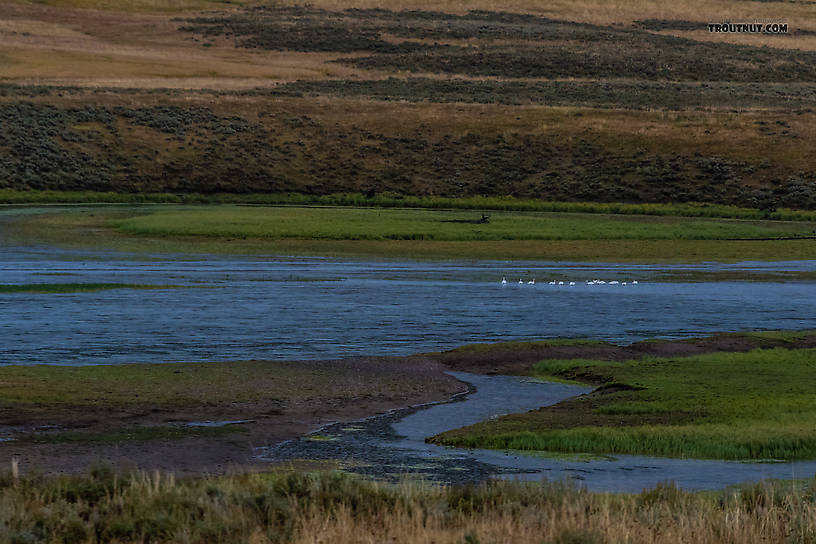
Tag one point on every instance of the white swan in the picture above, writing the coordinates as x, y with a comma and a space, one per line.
504, 281
634, 282
552, 282
572, 283
531, 282
521, 282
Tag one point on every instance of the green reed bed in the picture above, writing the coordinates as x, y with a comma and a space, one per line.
755, 405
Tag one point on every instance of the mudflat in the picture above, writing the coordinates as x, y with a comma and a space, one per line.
194, 418
209, 418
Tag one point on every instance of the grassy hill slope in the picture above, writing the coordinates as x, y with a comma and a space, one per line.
541, 103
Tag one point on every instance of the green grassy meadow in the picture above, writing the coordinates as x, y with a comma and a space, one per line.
419, 233
394, 200
391, 224
755, 405
184, 384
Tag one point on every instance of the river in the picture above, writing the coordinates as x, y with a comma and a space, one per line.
228, 308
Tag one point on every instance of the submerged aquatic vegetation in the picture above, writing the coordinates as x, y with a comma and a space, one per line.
74, 287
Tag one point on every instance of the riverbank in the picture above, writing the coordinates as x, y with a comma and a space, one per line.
305, 507
740, 405
421, 233
194, 418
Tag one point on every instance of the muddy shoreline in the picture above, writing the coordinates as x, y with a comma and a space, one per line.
60, 438
70, 439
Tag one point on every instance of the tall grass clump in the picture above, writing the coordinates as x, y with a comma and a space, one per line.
105, 506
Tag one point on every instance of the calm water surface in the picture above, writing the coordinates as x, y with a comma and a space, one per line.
388, 446
499, 395
308, 308
227, 308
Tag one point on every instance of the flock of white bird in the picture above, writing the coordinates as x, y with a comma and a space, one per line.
588, 282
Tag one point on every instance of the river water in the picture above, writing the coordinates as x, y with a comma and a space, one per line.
620, 473
227, 308
393, 447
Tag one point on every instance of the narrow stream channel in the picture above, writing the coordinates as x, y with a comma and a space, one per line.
392, 445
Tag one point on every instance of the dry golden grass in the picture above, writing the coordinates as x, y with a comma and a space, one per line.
805, 43
142, 6
593, 519
173, 68
47, 45
603, 12
736, 136
798, 14
624, 12
313, 508
135, 43
585, 517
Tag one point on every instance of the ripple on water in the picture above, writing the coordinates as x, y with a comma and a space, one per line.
312, 308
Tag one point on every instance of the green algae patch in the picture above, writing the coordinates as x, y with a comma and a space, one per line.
58, 288
322, 438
